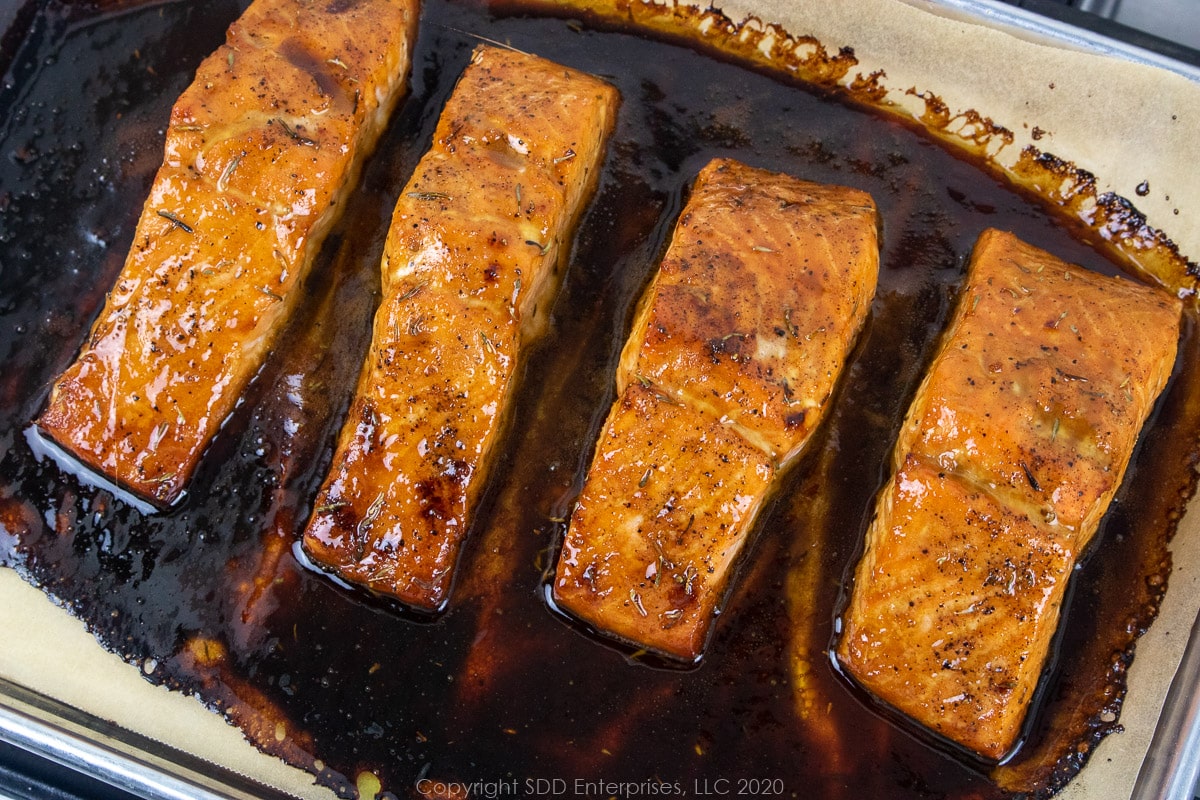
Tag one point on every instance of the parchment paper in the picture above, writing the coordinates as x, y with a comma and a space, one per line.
1126, 123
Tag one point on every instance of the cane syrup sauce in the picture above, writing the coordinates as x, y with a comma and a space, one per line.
208, 596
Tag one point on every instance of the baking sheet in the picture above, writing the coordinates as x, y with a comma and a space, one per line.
1149, 134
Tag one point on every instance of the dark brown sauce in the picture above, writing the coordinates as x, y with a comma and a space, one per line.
210, 595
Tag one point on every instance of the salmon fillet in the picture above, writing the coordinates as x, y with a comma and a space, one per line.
469, 268
734, 354
1012, 449
260, 150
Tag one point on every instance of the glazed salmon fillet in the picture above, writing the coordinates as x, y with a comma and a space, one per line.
733, 357
469, 269
260, 151
1012, 449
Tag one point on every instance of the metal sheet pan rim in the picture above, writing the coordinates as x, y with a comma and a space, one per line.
1172, 764
44, 726
1026, 24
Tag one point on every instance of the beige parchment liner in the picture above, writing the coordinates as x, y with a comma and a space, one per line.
1125, 123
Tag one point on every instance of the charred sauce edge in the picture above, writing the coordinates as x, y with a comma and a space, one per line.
801, 58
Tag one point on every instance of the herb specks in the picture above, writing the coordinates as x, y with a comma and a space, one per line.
413, 292
176, 222
487, 343
1033, 483
293, 134
223, 181
636, 599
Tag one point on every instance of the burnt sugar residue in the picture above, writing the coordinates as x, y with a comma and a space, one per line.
209, 596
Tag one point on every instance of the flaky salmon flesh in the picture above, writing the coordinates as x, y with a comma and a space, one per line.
732, 361
260, 150
1012, 450
470, 266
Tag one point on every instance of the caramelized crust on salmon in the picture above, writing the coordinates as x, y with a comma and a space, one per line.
469, 266
259, 151
1012, 450
734, 354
